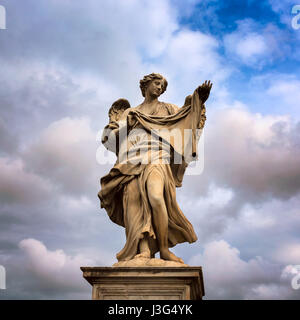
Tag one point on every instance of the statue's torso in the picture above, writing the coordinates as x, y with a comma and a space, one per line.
160, 109
143, 145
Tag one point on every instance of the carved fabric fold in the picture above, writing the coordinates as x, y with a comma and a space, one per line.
123, 190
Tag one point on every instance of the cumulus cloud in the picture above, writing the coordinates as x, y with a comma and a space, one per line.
64, 154
252, 154
19, 186
288, 253
275, 93
54, 268
210, 210
252, 45
56, 87
227, 275
45, 92
259, 153
190, 58
251, 172
255, 45
106, 37
287, 91
8, 141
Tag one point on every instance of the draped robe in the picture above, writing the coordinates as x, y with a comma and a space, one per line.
124, 189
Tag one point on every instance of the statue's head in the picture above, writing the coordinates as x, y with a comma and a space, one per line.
144, 83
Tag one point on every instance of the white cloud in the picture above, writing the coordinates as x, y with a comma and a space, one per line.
190, 58
287, 91
259, 153
208, 211
228, 276
193, 51
265, 229
65, 153
288, 253
19, 186
153, 26
250, 181
276, 93
8, 140
255, 45
255, 218
54, 269
252, 45
67, 77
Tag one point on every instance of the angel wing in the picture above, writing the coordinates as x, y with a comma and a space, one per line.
109, 133
116, 110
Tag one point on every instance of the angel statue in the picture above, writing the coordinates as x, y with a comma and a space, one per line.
153, 142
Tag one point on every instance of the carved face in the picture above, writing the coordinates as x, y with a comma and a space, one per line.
155, 88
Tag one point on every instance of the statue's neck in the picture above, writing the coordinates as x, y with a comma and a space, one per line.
150, 100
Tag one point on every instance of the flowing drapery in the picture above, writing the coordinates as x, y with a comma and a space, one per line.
163, 142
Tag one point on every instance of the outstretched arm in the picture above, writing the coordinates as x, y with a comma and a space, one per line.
204, 90
199, 97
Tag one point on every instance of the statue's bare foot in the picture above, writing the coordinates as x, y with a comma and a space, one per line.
168, 255
144, 254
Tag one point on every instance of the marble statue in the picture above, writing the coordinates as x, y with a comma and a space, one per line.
153, 142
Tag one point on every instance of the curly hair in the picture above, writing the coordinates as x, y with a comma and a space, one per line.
148, 78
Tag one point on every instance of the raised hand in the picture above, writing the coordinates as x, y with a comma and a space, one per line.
204, 90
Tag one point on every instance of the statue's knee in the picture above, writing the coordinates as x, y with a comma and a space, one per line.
156, 198
155, 189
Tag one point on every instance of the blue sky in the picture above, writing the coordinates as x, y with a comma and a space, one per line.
63, 63
220, 18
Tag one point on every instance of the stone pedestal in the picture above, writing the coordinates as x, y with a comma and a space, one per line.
145, 283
